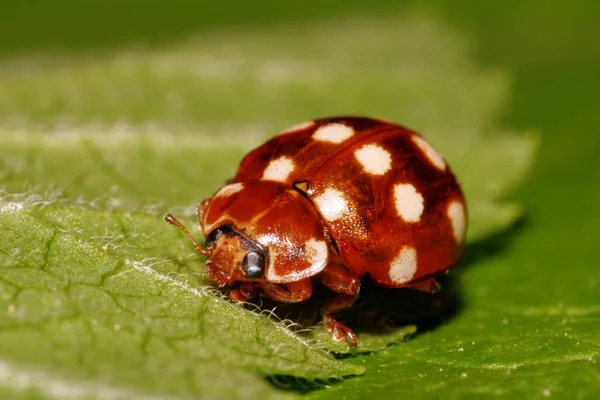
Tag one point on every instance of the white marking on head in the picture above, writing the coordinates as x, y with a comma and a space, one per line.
279, 169
409, 202
270, 273
332, 204
228, 190
374, 159
315, 252
333, 133
456, 213
298, 127
436, 159
404, 266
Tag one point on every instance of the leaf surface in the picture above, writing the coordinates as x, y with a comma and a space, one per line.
100, 295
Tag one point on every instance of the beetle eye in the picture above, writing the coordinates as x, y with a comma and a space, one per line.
253, 264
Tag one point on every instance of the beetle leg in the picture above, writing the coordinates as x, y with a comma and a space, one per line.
340, 280
243, 293
292, 292
333, 305
428, 285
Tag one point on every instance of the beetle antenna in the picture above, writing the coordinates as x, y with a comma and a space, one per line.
173, 221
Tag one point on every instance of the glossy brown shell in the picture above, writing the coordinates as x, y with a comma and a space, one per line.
276, 217
388, 200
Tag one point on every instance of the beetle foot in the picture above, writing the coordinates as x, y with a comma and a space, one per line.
428, 286
242, 293
340, 331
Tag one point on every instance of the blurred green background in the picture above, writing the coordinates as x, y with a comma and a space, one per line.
541, 63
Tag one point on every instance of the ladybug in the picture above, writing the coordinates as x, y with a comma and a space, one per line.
333, 200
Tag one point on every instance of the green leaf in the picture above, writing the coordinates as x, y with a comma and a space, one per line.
88, 290
100, 294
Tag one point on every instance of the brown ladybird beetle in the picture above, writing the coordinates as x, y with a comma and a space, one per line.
333, 200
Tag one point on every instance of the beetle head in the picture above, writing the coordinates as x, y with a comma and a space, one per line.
261, 231
233, 257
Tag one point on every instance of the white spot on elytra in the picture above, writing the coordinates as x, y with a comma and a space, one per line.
404, 266
279, 169
456, 213
374, 159
228, 190
409, 202
298, 127
436, 159
334, 133
332, 204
